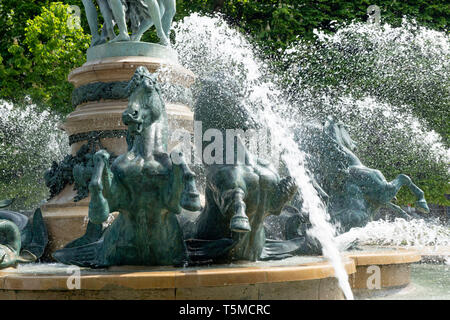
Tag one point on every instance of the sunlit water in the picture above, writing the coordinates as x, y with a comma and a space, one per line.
406, 60
208, 45
59, 268
29, 141
384, 79
414, 233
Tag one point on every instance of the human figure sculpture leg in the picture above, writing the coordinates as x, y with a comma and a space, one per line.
144, 26
167, 10
154, 12
119, 16
167, 17
108, 28
91, 14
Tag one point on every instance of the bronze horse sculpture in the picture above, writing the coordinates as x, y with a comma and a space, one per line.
354, 192
145, 185
239, 193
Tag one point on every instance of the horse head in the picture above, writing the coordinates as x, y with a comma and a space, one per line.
145, 104
337, 131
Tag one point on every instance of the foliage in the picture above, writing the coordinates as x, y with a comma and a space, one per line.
36, 62
276, 23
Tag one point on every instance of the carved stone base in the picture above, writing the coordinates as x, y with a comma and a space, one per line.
64, 218
107, 115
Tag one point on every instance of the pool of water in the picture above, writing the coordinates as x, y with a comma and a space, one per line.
428, 282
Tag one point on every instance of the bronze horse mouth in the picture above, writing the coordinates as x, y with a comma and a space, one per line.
133, 121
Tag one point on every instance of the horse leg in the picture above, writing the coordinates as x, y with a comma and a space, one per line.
403, 179
398, 210
190, 199
234, 199
98, 206
284, 191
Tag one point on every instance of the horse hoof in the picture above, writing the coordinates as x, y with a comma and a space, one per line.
422, 206
240, 224
190, 201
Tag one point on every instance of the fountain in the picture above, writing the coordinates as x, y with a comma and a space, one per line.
126, 219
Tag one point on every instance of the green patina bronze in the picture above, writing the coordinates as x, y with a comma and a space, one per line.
76, 170
22, 239
239, 194
142, 14
131, 48
354, 193
146, 185
97, 91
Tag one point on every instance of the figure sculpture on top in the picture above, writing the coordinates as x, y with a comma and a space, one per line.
142, 15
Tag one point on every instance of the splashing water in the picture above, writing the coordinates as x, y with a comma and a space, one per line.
414, 233
29, 141
207, 45
389, 84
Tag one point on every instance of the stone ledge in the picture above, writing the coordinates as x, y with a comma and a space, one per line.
122, 69
158, 278
131, 48
383, 257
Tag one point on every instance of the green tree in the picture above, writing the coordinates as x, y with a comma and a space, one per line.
37, 61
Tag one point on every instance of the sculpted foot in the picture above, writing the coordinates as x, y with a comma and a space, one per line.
96, 41
164, 41
136, 37
239, 222
121, 37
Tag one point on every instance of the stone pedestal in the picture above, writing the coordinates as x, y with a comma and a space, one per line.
99, 98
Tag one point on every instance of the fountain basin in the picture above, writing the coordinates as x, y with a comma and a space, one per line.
295, 278
392, 266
